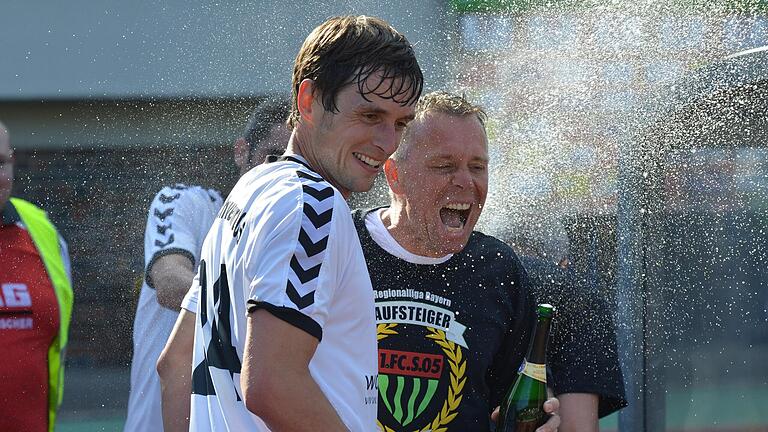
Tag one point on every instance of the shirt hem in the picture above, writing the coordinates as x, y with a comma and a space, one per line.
291, 316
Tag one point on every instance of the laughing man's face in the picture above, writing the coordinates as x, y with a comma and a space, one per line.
444, 180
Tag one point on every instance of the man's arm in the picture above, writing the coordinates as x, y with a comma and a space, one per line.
175, 369
177, 221
578, 412
276, 382
172, 276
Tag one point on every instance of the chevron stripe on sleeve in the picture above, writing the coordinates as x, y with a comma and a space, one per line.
313, 239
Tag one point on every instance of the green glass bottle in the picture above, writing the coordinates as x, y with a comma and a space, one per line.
521, 410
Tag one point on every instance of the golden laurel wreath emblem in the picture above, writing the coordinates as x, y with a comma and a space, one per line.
458, 364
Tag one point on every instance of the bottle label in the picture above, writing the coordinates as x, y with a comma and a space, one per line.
529, 419
535, 371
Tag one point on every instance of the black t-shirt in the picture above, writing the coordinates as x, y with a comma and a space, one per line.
581, 355
451, 336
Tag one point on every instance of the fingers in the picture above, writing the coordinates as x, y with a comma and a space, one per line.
551, 425
551, 405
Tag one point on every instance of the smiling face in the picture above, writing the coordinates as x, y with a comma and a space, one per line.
349, 147
440, 185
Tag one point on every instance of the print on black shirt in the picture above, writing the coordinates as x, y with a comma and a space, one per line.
451, 335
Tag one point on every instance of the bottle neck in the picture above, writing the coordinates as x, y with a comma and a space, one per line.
537, 353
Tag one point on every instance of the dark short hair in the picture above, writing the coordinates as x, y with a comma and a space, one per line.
270, 112
349, 49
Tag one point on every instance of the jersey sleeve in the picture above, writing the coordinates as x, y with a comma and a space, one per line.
504, 369
294, 275
174, 226
583, 353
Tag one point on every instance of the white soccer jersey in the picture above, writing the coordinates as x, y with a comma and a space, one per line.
179, 218
283, 241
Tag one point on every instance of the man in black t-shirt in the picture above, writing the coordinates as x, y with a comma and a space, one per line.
454, 310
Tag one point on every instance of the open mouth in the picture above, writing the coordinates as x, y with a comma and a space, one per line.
455, 215
373, 163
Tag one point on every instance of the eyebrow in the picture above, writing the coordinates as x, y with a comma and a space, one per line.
448, 156
369, 107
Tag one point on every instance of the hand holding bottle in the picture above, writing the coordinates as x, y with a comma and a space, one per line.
522, 409
550, 407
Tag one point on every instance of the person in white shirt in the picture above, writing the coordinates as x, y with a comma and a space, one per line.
279, 318
178, 220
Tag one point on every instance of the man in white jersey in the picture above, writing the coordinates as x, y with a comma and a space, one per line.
284, 335
179, 218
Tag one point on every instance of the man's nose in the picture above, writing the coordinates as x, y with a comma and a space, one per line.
462, 178
387, 138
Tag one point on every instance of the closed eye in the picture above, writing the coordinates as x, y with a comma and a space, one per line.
371, 117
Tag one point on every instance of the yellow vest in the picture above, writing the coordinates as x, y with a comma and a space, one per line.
46, 239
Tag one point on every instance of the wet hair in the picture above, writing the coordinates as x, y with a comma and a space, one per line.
440, 102
350, 49
269, 113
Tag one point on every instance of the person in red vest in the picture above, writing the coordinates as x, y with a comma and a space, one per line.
35, 308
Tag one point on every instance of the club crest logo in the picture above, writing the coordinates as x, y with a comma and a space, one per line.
411, 384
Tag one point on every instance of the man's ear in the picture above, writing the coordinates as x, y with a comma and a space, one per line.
242, 152
305, 99
392, 175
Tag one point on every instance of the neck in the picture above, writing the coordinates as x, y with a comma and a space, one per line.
300, 144
396, 221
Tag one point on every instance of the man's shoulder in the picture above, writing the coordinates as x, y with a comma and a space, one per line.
181, 192
491, 258
280, 189
489, 247
17, 210
292, 178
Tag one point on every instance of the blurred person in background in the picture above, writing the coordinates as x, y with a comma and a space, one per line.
35, 308
454, 309
582, 356
178, 220
279, 319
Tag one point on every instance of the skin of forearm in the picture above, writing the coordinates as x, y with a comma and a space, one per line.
276, 382
578, 412
172, 288
294, 403
174, 366
172, 276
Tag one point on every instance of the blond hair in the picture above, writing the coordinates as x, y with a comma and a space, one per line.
440, 102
